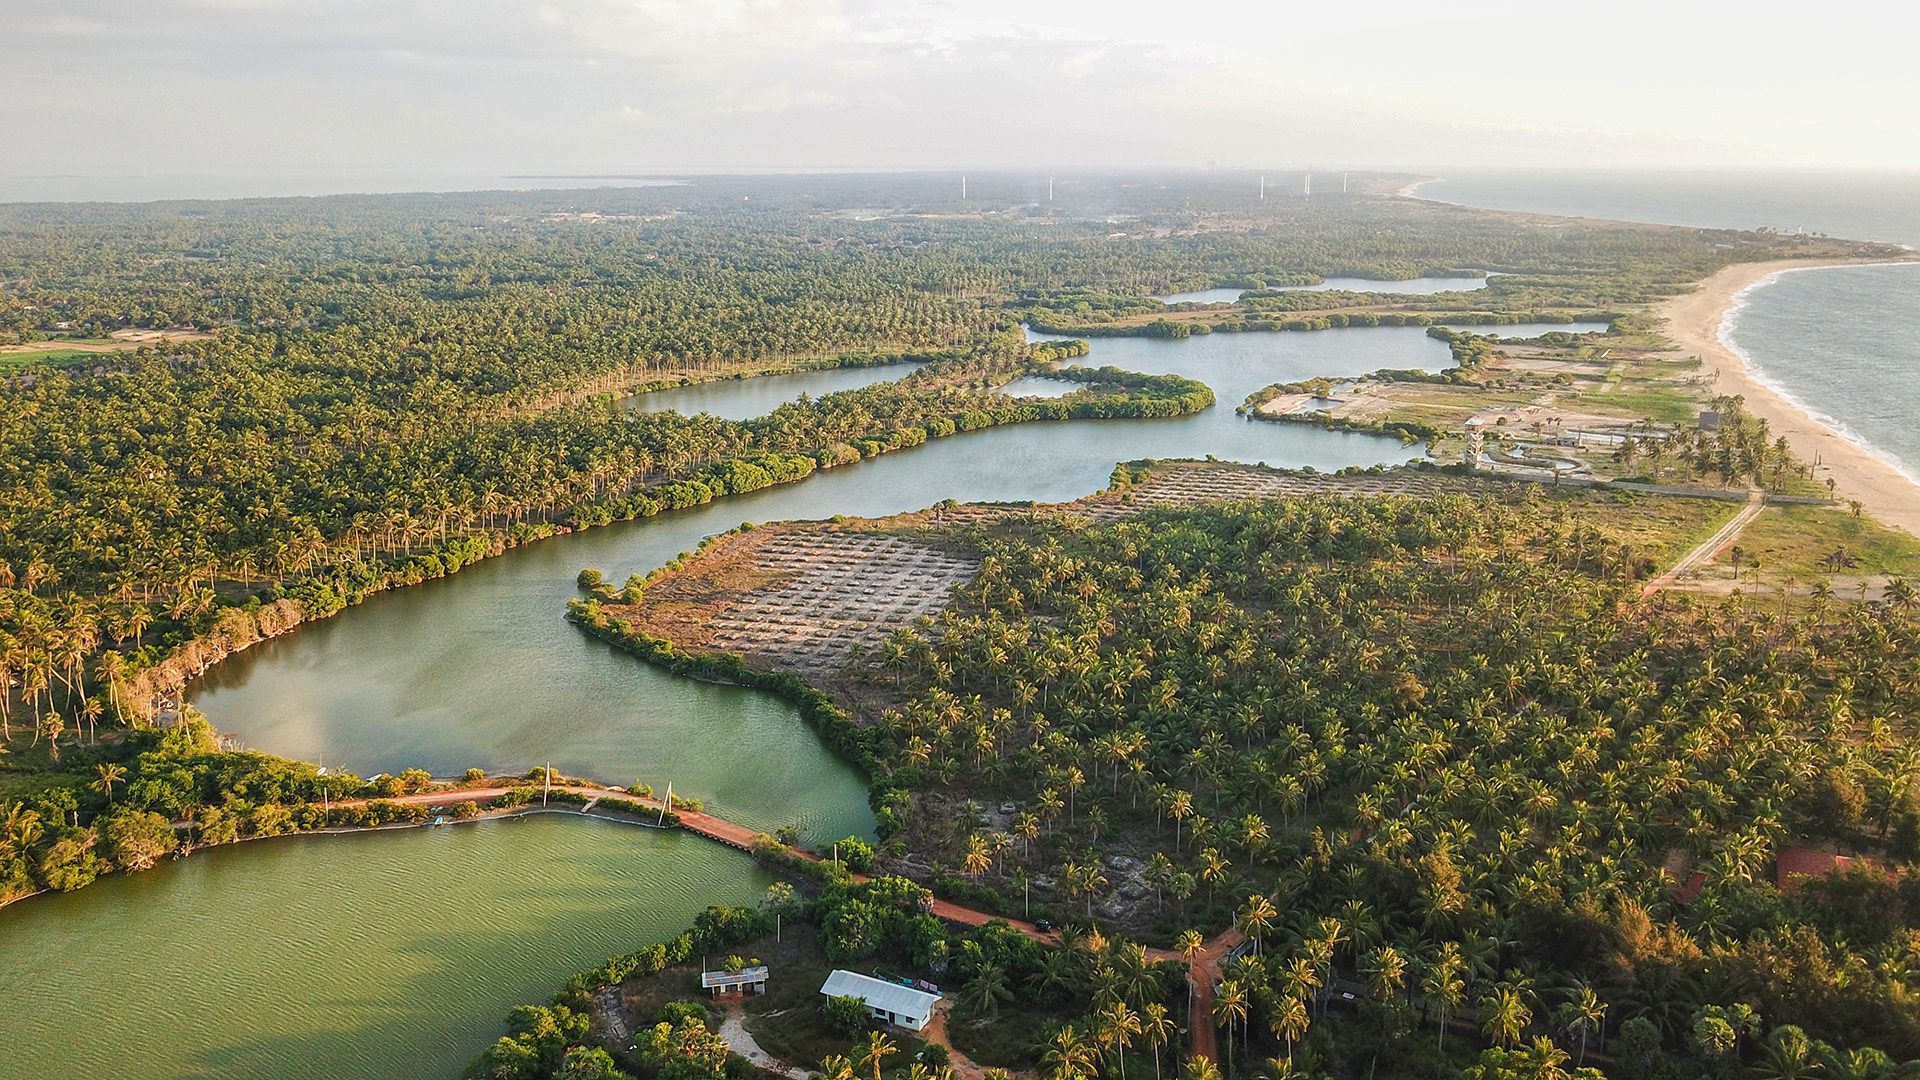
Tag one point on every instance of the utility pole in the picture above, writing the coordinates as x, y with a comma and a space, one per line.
546, 785
1049, 187
963, 189
1263, 189
665, 803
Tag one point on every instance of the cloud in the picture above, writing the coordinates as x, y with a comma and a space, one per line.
545, 85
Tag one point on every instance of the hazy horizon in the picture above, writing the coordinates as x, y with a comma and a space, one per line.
356, 88
138, 187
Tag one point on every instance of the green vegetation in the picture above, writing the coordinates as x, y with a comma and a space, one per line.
1435, 752
1020, 1002
52, 356
1795, 546
123, 804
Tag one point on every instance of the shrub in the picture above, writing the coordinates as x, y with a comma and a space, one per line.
845, 1015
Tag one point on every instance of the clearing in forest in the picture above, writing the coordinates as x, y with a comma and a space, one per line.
806, 597
811, 596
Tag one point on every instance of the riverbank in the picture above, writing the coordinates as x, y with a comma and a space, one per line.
1121, 395
577, 800
1694, 320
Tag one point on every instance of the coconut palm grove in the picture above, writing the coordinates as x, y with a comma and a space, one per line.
1552, 719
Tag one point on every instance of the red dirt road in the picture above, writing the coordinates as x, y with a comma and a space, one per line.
1206, 964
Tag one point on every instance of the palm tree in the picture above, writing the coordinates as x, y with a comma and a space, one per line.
1068, 1057
1179, 808
1504, 1016
1083, 880
1199, 1067
879, 1048
1583, 1014
1542, 1060
979, 857
779, 897
1189, 945
1119, 1026
1213, 869
837, 1067
987, 989
1158, 1028
20, 829
1386, 973
109, 775
1256, 918
1289, 1020
1230, 1008
1444, 987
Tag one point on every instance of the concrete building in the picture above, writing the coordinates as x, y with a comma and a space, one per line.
899, 1005
751, 980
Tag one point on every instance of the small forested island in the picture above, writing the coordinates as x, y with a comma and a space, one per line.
1564, 728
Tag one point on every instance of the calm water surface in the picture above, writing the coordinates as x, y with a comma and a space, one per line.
744, 399
1839, 342
1425, 286
359, 957
481, 669
397, 955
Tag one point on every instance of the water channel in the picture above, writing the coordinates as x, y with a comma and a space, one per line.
1424, 286
378, 956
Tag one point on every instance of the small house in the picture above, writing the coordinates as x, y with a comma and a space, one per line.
749, 981
892, 1003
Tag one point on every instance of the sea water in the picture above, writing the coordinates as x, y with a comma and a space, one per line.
1843, 343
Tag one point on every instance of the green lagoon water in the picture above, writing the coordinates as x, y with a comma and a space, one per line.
387, 956
398, 955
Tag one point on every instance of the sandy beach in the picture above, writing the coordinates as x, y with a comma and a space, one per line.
1693, 323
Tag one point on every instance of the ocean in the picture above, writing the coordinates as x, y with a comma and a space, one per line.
1842, 343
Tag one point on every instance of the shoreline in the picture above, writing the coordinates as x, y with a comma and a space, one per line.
1695, 321
485, 815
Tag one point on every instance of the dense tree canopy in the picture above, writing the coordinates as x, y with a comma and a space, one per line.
1438, 750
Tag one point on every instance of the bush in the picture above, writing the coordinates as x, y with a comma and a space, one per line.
857, 854
845, 1015
673, 1012
136, 839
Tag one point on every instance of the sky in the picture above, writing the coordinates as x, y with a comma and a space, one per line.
91, 88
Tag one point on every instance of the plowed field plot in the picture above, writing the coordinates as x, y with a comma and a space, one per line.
804, 598
1193, 483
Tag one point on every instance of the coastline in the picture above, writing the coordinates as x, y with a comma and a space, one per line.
1693, 321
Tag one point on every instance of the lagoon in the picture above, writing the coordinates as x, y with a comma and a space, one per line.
429, 936
356, 957
1424, 286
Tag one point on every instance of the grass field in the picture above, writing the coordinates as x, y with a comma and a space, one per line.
1799, 541
53, 356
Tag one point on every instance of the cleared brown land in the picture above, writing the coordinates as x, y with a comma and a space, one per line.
806, 597
123, 341
811, 597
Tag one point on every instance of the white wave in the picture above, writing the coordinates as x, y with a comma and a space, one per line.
1729, 318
